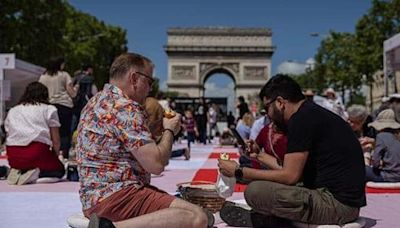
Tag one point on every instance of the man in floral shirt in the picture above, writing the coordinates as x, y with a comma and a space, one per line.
116, 155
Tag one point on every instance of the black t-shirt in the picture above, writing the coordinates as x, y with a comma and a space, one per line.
201, 119
243, 108
335, 158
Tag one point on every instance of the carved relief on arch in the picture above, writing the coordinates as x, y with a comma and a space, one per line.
232, 66
206, 67
183, 72
255, 72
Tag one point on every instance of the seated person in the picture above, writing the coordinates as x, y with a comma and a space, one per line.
259, 124
155, 118
243, 127
385, 162
274, 144
227, 138
359, 119
322, 152
117, 155
33, 140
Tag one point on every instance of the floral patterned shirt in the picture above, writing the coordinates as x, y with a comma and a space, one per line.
110, 128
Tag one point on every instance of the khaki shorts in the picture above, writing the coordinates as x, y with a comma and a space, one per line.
300, 204
131, 202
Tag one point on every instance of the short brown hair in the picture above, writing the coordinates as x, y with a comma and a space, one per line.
154, 111
125, 62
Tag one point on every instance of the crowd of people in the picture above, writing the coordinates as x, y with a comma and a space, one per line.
302, 161
39, 128
314, 158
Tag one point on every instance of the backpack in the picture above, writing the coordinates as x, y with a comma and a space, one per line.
84, 93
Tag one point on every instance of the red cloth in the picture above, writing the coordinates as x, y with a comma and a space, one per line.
35, 155
381, 190
216, 155
211, 175
279, 141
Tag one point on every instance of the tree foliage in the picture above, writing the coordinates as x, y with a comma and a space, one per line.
310, 80
380, 23
334, 62
37, 30
345, 60
32, 29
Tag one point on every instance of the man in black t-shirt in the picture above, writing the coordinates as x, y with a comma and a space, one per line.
242, 106
323, 153
202, 120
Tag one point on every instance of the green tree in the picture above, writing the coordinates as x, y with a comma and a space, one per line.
380, 23
335, 63
37, 30
32, 29
311, 80
88, 40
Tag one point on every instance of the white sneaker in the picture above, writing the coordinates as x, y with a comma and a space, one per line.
29, 177
13, 176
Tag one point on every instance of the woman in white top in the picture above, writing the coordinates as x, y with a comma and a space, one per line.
61, 92
33, 139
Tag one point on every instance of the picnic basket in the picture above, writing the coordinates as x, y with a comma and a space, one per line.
202, 193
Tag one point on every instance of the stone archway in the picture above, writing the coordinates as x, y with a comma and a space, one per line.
209, 69
195, 53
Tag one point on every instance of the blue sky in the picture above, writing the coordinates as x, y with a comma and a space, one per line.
291, 22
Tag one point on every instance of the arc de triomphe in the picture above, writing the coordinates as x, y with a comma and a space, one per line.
195, 54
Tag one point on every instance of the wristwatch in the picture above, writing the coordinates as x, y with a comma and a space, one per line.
239, 172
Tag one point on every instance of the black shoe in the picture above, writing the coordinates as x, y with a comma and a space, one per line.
210, 218
99, 222
237, 216
4, 170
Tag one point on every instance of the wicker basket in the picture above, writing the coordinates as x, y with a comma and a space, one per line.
202, 193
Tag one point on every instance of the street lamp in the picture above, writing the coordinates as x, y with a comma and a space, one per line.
321, 35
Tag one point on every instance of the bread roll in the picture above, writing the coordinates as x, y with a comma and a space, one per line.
224, 156
169, 113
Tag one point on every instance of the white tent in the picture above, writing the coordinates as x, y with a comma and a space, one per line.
23, 74
15, 79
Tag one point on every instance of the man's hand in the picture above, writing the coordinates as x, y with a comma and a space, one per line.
227, 167
270, 161
174, 123
252, 148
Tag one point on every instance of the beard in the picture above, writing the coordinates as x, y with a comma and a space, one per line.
278, 120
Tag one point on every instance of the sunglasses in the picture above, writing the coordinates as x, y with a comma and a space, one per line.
266, 106
149, 78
